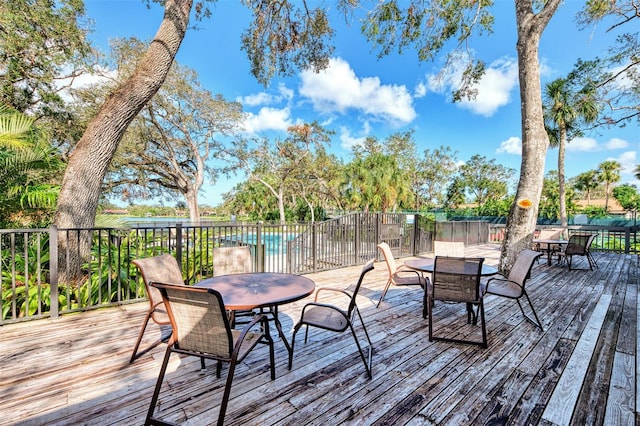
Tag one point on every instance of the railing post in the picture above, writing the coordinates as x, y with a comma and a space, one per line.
260, 247
54, 309
627, 240
314, 247
356, 237
415, 233
178, 243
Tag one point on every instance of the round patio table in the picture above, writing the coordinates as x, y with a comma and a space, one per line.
549, 246
262, 290
426, 265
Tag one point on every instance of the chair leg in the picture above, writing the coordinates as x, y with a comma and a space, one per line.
135, 355
227, 392
293, 342
156, 391
537, 322
272, 358
430, 311
384, 292
367, 365
484, 325
425, 301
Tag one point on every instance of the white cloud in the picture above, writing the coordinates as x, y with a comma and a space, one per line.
420, 91
285, 92
338, 89
268, 119
628, 162
256, 99
582, 144
347, 141
264, 98
513, 145
616, 143
102, 75
493, 89
623, 80
590, 144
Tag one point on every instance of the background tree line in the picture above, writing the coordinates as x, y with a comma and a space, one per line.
44, 47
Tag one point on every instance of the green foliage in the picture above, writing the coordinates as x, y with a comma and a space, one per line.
168, 150
485, 180
434, 172
428, 27
109, 275
628, 197
29, 168
41, 43
375, 182
586, 182
615, 74
284, 36
595, 212
23, 281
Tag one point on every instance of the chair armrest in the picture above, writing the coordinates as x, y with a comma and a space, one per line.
337, 290
247, 328
324, 305
413, 271
499, 279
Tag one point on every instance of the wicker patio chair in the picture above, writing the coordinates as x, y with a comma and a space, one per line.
578, 245
397, 274
334, 318
547, 234
163, 268
513, 286
233, 260
448, 248
201, 328
457, 279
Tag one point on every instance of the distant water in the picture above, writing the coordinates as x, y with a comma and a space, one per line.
159, 221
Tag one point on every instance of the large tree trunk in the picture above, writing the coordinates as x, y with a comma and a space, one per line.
521, 221
562, 193
192, 203
90, 159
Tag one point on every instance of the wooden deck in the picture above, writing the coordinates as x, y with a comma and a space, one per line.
581, 370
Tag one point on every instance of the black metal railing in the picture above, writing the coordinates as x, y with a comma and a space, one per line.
50, 272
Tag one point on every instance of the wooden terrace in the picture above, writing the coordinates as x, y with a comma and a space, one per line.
582, 369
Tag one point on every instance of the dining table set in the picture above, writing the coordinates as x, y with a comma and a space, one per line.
426, 265
549, 246
260, 290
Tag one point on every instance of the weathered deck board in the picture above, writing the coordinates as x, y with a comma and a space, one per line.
75, 370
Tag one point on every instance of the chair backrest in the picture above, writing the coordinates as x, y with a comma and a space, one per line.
163, 268
457, 278
579, 243
448, 248
232, 260
521, 269
388, 258
549, 234
199, 320
365, 269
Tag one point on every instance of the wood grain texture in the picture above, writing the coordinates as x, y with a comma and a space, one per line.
75, 370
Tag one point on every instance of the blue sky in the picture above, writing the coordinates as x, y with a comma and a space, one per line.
360, 95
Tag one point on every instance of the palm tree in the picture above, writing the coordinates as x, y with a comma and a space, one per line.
27, 163
565, 110
636, 171
609, 172
587, 182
